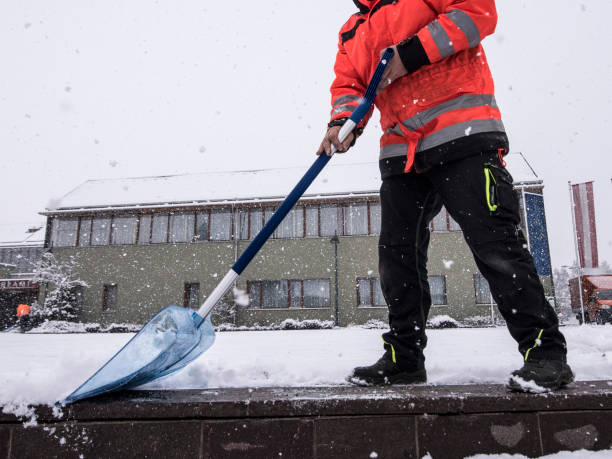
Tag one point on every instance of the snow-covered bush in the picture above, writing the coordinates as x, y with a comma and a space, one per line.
478, 321
61, 295
375, 323
292, 324
442, 321
287, 324
225, 312
63, 326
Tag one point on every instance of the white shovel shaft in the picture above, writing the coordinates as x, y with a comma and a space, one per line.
345, 130
218, 293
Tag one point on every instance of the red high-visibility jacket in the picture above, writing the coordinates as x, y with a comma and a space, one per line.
23, 310
448, 93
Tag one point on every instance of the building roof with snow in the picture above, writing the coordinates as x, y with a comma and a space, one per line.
239, 186
22, 234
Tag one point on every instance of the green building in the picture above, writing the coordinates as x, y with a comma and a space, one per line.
144, 243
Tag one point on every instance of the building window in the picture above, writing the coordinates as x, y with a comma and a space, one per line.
251, 222
243, 224
100, 231
144, 229
482, 290
191, 298
437, 289
255, 222
452, 224
292, 225
312, 221
322, 220
123, 230
159, 228
202, 230
443, 222
65, 232
328, 224
356, 219
214, 225
439, 223
282, 294
315, 293
220, 225
374, 218
369, 292
85, 231
24, 259
182, 227
109, 301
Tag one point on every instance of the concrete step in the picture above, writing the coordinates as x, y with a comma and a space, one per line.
319, 422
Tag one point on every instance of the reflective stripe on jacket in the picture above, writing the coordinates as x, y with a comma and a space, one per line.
449, 92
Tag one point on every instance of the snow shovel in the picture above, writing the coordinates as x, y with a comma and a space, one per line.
176, 336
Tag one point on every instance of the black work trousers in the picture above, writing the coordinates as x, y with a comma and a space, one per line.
477, 192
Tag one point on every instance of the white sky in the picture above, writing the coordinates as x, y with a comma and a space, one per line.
96, 89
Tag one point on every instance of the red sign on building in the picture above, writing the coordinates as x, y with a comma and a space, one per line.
17, 284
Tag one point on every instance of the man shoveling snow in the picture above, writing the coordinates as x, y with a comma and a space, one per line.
443, 144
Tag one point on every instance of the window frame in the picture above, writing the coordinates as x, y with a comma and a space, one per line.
55, 226
443, 277
371, 304
290, 283
106, 308
113, 226
491, 299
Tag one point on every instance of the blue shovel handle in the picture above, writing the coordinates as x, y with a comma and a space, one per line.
311, 174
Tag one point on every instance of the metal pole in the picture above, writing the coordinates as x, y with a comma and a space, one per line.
579, 267
527, 235
335, 240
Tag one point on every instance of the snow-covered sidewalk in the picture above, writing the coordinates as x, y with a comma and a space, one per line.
40, 369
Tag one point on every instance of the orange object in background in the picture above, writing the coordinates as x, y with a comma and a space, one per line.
23, 310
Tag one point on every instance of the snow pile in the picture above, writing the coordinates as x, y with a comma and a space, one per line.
528, 386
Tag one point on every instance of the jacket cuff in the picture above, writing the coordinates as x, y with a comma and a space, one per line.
340, 121
412, 54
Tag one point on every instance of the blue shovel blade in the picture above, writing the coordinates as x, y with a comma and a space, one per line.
170, 340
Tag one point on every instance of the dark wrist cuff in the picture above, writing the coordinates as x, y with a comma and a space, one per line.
340, 121
412, 54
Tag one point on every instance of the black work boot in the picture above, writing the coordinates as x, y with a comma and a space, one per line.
385, 371
541, 376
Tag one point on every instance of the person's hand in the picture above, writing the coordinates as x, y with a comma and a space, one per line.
394, 70
331, 138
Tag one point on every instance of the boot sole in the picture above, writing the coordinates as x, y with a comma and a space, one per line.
517, 384
398, 379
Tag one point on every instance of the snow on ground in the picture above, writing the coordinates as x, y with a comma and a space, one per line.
42, 368
580, 454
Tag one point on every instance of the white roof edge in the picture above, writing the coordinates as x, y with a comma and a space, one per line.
220, 202
237, 187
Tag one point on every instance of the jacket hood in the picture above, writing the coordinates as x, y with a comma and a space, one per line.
364, 5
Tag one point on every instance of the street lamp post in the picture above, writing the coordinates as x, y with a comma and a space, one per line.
335, 240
